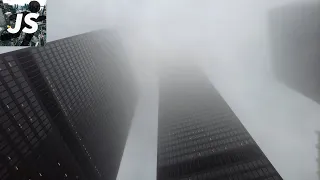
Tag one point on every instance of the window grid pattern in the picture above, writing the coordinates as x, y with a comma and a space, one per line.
85, 85
201, 138
70, 74
258, 169
23, 122
80, 85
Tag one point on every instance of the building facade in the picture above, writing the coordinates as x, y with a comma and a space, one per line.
199, 136
66, 109
294, 30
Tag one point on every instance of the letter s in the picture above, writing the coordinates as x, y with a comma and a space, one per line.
17, 26
34, 25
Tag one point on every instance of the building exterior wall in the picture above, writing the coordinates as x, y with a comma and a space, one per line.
294, 31
199, 137
74, 119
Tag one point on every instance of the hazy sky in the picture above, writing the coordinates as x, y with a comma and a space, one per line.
230, 40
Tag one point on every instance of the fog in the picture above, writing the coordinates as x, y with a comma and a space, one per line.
230, 40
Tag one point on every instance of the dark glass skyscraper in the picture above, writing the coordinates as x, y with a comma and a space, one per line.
66, 109
199, 137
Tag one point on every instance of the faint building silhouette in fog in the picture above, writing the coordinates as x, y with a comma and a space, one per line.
295, 44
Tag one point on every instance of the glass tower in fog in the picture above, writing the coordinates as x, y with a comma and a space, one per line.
65, 109
199, 136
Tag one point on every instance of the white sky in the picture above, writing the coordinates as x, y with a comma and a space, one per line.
22, 2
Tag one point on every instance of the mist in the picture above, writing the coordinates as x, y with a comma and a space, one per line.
231, 42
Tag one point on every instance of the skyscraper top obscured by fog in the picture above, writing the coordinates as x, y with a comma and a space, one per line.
65, 109
199, 137
294, 31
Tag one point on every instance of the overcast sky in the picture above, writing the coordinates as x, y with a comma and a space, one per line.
230, 40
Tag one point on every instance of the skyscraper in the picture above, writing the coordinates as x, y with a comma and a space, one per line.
66, 109
199, 136
294, 32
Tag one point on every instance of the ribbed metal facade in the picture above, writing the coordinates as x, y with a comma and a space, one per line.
199, 137
66, 109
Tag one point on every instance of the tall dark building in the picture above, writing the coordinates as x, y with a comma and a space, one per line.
65, 109
294, 31
199, 136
